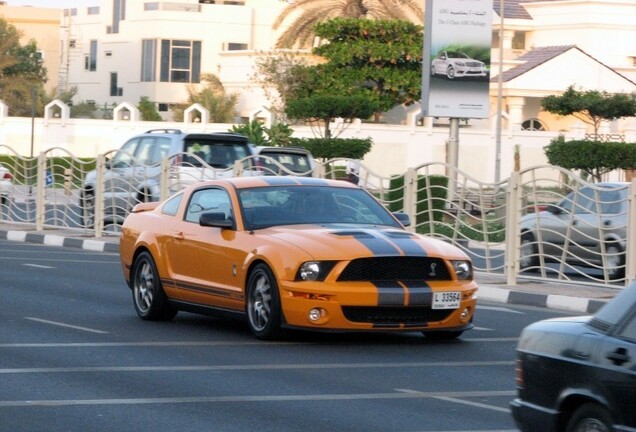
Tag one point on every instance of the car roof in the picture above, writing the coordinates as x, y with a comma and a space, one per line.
268, 181
272, 149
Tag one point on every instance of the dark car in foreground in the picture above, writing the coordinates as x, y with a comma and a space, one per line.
578, 374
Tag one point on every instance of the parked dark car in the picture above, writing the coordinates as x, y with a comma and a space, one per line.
579, 374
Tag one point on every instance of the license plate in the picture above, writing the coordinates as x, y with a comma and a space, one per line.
446, 300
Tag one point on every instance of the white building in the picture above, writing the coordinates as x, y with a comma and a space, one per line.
123, 50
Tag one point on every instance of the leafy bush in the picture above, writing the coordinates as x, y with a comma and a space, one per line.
323, 148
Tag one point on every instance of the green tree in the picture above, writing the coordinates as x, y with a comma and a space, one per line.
591, 106
148, 110
211, 95
593, 158
321, 110
307, 13
22, 74
278, 135
380, 59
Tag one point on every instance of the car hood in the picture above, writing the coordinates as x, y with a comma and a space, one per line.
344, 241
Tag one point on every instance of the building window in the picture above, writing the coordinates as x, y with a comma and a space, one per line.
114, 90
519, 40
148, 60
180, 61
119, 14
532, 125
234, 46
70, 12
90, 60
92, 10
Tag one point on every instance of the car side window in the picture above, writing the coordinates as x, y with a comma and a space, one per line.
124, 156
629, 330
159, 151
145, 149
208, 200
171, 207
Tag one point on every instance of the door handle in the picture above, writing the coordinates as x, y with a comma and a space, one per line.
619, 356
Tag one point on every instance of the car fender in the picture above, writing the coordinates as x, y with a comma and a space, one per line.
571, 398
282, 260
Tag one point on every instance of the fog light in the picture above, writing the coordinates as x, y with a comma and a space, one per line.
465, 314
315, 314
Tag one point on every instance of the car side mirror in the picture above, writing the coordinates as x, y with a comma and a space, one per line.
555, 210
215, 219
403, 218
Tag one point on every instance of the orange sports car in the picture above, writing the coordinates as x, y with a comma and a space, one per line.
293, 252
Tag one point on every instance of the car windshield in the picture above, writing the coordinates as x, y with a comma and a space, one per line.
290, 205
298, 163
452, 54
216, 153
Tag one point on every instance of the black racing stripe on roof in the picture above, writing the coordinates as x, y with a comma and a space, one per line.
420, 293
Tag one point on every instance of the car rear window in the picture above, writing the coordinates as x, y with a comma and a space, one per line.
298, 163
216, 153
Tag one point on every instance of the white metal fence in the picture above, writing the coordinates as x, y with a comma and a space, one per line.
583, 238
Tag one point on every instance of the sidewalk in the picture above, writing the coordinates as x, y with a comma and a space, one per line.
571, 297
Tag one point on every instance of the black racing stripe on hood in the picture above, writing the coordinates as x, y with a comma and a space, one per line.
420, 294
390, 293
406, 242
377, 245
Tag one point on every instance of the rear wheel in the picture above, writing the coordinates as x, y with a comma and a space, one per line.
264, 314
528, 256
151, 302
590, 417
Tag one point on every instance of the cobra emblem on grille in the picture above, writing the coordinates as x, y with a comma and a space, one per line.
432, 273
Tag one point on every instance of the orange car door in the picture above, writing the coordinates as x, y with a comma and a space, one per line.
204, 261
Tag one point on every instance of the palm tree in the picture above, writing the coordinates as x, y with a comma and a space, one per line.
306, 13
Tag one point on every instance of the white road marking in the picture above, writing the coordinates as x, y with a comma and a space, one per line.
501, 309
66, 325
245, 399
291, 366
483, 329
38, 266
475, 404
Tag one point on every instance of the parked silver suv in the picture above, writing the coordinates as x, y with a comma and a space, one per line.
586, 228
133, 174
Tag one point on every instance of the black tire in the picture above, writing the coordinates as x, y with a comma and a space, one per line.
262, 305
615, 257
87, 209
450, 73
443, 334
590, 417
528, 252
149, 299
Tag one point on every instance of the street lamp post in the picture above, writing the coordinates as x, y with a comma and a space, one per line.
499, 95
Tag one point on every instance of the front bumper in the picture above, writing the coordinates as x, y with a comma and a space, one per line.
350, 306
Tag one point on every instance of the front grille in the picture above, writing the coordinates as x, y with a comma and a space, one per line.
393, 316
395, 268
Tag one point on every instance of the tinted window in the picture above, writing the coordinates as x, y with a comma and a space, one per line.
216, 153
619, 307
208, 200
124, 157
171, 207
298, 163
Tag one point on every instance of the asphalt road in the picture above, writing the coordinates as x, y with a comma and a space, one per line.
75, 357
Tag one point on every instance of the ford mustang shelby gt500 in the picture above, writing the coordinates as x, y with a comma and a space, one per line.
293, 252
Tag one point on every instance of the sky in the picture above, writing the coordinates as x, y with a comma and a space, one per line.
62, 4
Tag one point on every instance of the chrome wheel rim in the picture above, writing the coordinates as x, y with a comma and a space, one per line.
260, 303
612, 259
527, 249
144, 287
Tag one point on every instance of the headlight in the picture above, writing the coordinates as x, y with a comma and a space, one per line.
314, 270
463, 270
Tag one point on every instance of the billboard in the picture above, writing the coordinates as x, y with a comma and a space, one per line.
456, 62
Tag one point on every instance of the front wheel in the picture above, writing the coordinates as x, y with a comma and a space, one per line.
151, 302
590, 417
264, 314
450, 73
615, 261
